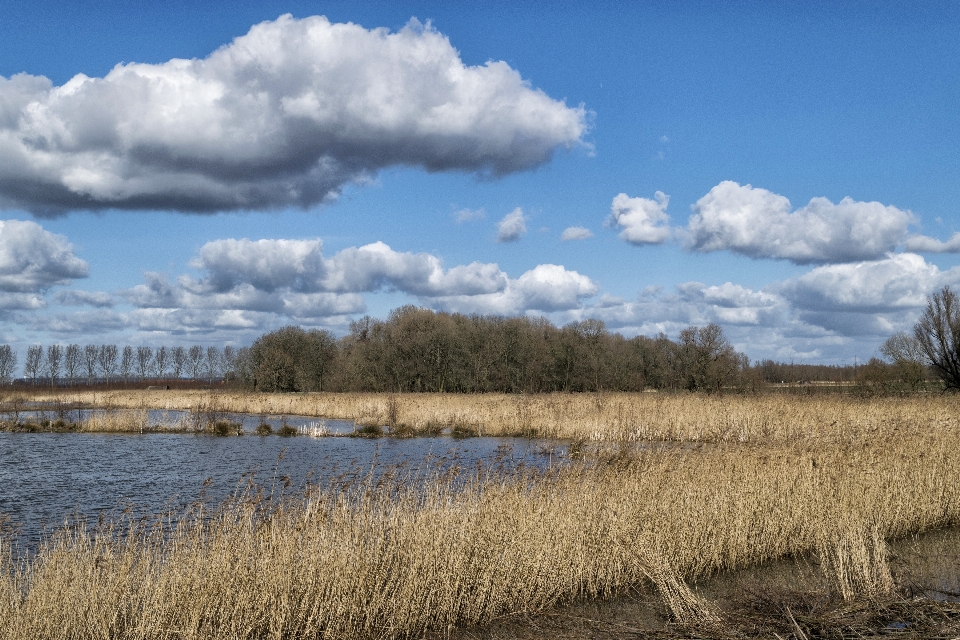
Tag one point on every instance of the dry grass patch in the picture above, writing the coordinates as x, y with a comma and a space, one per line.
764, 418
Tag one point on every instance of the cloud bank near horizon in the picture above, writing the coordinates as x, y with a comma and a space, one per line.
284, 116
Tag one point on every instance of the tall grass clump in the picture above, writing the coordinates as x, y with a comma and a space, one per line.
398, 557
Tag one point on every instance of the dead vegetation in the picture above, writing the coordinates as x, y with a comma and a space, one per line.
409, 557
598, 417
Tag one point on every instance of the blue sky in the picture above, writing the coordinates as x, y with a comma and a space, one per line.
300, 170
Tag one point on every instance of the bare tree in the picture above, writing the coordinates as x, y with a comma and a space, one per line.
71, 361
34, 362
90, 356
212, 362
938, 333
144, 358
107, 359
126, 363
178, 359
195, 359
907, 356
161, 361
54, 362
229, 360
8, 363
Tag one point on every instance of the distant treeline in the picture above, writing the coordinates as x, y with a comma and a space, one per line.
419, 350
73, 364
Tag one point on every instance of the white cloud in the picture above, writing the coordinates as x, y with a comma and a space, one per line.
576, 233
466, 215
643, 221
256, 280
870, 298
512, 227
77, 298
32, 259
925, 244
546, 288
758, 223
900, 281
285, 115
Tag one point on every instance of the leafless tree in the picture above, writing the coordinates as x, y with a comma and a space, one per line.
938, 333
90, 356
126, 363
178, 360
54, 362
71, 361
228, 362
212, 362
195, 360
161, 361
906, 354
144, 359
107, 359
8, 363
34, 362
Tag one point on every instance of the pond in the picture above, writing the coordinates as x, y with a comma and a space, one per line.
46, 477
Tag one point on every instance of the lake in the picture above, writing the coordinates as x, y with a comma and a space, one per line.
48, 476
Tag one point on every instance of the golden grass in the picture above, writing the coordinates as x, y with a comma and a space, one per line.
587, 417
395, 560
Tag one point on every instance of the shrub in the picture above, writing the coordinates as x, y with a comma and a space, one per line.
264, 429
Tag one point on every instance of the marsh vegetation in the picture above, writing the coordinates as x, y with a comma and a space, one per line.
662, 492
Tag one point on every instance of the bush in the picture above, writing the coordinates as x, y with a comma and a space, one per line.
224, 427
264, 429
287, 431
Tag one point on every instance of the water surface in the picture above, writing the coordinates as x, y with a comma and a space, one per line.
45, 477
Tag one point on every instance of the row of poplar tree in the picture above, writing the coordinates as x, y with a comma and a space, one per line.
73, 363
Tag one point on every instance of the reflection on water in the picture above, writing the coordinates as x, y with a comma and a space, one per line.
45, 477
170, 418
930, 563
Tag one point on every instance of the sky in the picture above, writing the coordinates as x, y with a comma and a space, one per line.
201, 173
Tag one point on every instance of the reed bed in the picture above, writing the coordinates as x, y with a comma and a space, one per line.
613, 417
403, 557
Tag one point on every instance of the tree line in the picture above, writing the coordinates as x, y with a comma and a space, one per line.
420, 350
71, 364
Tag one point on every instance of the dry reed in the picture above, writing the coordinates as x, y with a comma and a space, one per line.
585, 417
396, 560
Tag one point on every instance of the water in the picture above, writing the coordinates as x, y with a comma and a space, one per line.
45, 477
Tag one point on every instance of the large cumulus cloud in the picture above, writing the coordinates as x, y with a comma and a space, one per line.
759, 223
285, 115
295, 279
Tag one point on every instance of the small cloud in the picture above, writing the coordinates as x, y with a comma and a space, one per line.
467, 215
512, 227
664, 139
926, 244
576, 233
75, 298
642, 220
